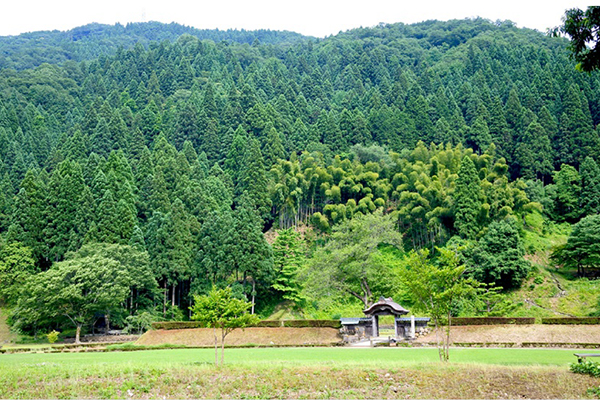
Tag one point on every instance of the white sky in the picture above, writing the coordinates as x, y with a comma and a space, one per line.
310, 17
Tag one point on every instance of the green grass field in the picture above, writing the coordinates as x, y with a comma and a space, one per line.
328, 356
295, 373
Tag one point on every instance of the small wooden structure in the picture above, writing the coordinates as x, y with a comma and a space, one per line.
368, 327
385, 306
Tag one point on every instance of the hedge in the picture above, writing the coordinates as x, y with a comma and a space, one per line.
571, 321
492, 321
176, 325
315, 323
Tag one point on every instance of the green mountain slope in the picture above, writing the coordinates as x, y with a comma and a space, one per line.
90, 41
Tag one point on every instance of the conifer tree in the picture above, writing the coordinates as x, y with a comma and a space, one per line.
108, 219
253, 255
64, 201
467, 200
273, 149
254, 181
590, 187
534, 152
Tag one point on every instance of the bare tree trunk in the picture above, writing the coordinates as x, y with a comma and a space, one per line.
78, 334
173, 295
447, 348
438, 338
107, 321
253, 294
222, 347
165, 299
216, 348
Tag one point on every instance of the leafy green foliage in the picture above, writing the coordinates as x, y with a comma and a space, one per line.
497, 258
16, 266
74, 289
582, 249
52, 336
586, 367
436, 288
582, 27
349, 263
220, 310
288, 259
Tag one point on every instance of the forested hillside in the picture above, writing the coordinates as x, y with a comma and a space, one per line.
169, 160
88, 42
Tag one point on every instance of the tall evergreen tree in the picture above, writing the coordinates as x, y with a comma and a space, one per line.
467, 200
590, 187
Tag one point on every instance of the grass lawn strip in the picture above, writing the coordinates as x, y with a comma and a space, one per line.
328, 356
431, 380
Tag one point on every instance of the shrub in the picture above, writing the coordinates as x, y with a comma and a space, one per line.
314, 323
571, 321
586, 367
269, 324
176, 325
301, 323
492, 321
52, 336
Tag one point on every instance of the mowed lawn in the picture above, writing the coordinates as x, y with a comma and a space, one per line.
296, 373
323, 356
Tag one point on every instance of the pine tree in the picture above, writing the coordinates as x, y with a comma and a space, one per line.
253, 255
215, 259
534, 153
254, 182
467, 200
288, 258
108, 219
590, 187
64, 201
273, 149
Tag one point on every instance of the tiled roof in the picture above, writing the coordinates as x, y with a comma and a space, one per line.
384, 303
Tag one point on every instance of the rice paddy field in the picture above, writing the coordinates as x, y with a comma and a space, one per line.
296, 373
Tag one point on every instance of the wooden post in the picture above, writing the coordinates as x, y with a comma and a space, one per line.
395, 328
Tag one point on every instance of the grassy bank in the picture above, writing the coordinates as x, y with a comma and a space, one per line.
295, 373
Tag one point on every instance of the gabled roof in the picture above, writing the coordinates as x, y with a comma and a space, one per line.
387, 306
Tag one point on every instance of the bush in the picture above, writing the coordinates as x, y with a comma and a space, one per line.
133, 347
586, 367
52, 336
313, 323
302, 323
270, 324
492, 321
176, 325
140, 322
571, 321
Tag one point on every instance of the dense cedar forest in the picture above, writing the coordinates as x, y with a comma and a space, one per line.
151, 162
